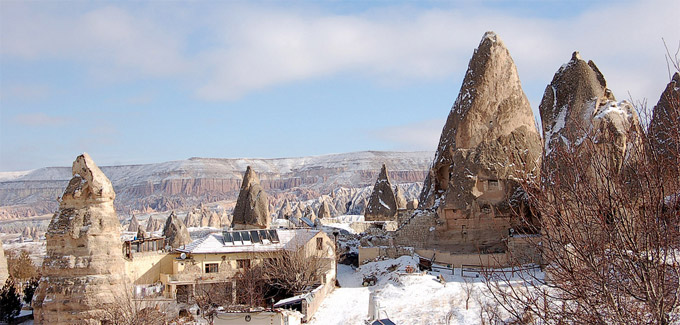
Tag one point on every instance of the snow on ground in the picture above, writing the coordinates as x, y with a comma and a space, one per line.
416, 298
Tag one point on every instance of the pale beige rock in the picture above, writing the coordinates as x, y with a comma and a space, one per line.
412, 205
153, 224
382, 206
400, 198
297, 213
252, 206
4, 272
84, 267
134, 224
215, 220
309, 214
193, 218
285, 211
324, 210
489, 140
175, 232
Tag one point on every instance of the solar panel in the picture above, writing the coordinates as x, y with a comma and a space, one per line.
264, 235
237, 237
227, 237
245, 235
255, 237
274, 236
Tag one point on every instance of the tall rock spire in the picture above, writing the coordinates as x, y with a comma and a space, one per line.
491, 106
175, 232
664, 126
577, 104
489, 140
84, 268
252, 206
382, 206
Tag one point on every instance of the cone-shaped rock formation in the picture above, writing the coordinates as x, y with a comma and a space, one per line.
175, 232
324, 210
252, 207
84, 268
489, 139
382, 206
577, 104
134, 224
663, 129
285, 212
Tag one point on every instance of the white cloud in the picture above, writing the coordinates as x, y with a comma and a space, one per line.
420, 135
249, 48
38, 119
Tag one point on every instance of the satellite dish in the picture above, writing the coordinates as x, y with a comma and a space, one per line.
183, 256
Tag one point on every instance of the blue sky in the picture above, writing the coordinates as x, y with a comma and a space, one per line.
140, 82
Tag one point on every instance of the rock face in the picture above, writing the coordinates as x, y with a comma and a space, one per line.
134, 224
252, 206
4, 272
175, 232
489, 139
382, 206
664, 125
324, 210
400, 198
181, 185
84, 267
215, 221
193, 218
153, 224
412, 205
309, 214
285, 212
577, 105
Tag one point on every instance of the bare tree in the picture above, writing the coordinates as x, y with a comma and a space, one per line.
294, 272
610, 233
125, 309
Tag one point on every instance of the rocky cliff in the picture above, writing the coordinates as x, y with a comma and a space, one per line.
184, 184
84, 267
488, 141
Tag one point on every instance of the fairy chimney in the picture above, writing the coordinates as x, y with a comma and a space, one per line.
84, 268
252, 206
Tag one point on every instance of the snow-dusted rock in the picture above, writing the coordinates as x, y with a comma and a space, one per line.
175, 232
84, 267
252, 206
382, 206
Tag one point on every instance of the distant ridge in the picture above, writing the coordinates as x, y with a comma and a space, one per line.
185, 183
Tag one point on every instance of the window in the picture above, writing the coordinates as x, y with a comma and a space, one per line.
319, 244
243, 264
211, 268
493, 184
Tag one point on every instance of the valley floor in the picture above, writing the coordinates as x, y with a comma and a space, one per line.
415, 298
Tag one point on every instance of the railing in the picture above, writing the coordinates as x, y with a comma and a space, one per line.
143, 245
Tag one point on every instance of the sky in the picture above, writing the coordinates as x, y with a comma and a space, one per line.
135, 82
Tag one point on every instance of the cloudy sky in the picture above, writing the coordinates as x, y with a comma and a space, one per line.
141, 82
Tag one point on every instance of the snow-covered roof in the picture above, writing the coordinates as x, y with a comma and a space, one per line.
289, 239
